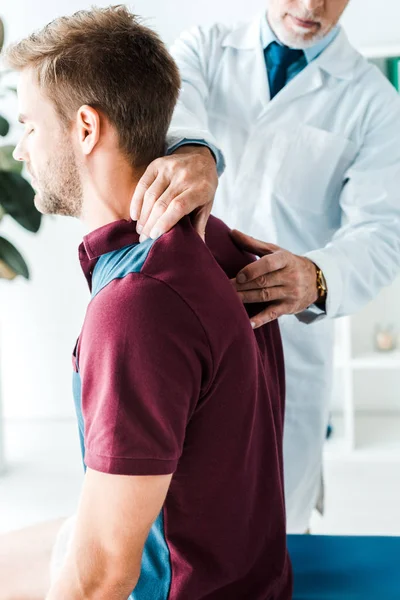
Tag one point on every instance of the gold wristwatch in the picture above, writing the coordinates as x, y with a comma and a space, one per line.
321, 287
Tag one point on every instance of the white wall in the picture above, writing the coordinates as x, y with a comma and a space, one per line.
40, 320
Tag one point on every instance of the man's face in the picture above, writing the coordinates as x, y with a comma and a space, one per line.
302, 23
46, 148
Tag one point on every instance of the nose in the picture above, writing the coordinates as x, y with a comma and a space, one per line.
19, 152
313, 4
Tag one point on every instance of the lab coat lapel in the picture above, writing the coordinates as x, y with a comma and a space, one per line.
308, 80
246, 40
339, 60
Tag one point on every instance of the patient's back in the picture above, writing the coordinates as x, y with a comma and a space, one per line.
204, 401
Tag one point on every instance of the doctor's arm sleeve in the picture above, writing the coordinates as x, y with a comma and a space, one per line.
193, 53
364, 254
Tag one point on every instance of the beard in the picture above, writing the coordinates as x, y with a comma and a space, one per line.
59, 185
297, 38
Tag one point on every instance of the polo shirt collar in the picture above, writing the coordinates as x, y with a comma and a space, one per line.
108, 238
268, 36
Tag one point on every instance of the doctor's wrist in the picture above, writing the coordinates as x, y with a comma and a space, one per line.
322, 289
196, 148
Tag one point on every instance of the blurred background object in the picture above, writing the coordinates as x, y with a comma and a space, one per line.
16, 197
16, 200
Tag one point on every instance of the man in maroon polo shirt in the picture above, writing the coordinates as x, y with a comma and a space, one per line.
179, 402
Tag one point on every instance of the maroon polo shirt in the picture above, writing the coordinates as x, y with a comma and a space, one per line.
172, 379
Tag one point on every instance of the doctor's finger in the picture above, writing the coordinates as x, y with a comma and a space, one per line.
267, 280
146, 180
263, 295
251, 244
150, 197
175, 211
260, 268
273, 312
151, 219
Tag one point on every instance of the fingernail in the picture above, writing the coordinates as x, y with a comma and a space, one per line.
134, 216
241, 278
139, 228
143, 238
155, 233
252, 323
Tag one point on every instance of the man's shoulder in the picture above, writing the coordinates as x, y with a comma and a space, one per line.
118, 264
128, 296
183, 252
230, 257
178, 268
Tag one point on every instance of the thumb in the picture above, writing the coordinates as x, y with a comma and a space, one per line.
199, 220
250, 244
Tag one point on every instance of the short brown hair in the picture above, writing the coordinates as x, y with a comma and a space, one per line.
106, 58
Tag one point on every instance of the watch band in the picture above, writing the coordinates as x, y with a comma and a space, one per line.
321, 285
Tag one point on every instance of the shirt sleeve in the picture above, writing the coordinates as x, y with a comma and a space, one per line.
191, 142
144, 362
194, 51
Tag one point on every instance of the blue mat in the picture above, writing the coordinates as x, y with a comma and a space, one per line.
345, 568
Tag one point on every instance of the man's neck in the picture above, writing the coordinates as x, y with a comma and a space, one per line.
108, 200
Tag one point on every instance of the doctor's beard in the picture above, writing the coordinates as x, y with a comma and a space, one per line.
294, 35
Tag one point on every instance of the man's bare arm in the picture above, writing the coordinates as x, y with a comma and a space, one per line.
115, 515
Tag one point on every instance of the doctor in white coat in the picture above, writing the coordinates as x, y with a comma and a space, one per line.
309, 132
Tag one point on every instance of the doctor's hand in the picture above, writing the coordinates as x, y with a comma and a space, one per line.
286, 281
174, 186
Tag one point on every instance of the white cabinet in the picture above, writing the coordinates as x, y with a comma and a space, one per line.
366, 392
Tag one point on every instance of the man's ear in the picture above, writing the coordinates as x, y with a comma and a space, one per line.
88, 128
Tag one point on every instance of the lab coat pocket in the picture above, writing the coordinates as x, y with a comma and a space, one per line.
312, 169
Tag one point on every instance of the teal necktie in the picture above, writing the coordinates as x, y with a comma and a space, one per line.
280, 58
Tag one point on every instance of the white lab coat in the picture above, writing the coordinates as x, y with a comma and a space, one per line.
316, 171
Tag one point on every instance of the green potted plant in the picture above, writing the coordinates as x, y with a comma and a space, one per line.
16, 200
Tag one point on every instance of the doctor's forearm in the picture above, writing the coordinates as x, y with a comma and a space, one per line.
357, 264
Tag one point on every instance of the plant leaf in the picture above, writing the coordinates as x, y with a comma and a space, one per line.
10, 256
7, 162
1, 34
6, 272
17, 199
4, 126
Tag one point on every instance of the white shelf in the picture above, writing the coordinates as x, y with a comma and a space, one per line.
378, 434
369, 360
384, 51
377, 437
377, 360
